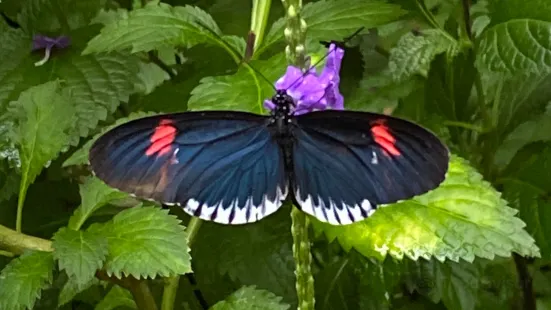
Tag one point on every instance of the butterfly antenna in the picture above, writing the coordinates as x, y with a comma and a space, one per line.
341, 43
245, 59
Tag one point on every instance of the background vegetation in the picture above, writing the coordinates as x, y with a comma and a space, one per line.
475, 73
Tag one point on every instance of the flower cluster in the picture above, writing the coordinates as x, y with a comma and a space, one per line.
313, 92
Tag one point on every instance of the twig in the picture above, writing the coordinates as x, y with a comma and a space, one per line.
156, 60
467, 18
525, 282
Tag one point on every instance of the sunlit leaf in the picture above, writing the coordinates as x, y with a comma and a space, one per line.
465, 217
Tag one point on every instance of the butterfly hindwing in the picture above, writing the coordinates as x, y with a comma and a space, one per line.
347, 163
219, 166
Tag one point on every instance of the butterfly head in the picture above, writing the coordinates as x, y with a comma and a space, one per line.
283, 101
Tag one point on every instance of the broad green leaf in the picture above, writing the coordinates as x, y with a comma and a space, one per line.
96, 83
535, 130
414, 52
463, 218
158, 25
24, 278
37, 16
505, 10
72, 287
80, 157
117, 297
335, 20
79, 253
454, 283
243, 91
250, 298
516, 46
46, 116
94, 195
145, 242
255, 254
16, 48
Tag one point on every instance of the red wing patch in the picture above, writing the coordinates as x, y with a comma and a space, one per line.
384, 138
162, 138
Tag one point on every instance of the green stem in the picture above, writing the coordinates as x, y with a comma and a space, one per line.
171, 283
303, 260
17, 242
432, 21
142, 294
259, 19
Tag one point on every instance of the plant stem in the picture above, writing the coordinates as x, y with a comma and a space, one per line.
142, 294
295, 34
525, 282
303, 260
171, 283
17, 242
467, 18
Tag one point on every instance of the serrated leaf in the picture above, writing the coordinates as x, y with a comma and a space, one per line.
414, 52
46, 116
156, 25
80, 157
79, 253
243, 91
463, 218
23, 279
335, 20
516, 46
535, 130
117, 297
257, 254
72, 287
96, 83
145, 242
250, 298
455, 284
94, 194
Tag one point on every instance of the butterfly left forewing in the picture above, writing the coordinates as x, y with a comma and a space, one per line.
347, 163
220, 166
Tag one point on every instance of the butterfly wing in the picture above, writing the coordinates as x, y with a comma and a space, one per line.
346, 163
220, 166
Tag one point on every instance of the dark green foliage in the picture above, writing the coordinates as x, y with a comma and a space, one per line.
483, 87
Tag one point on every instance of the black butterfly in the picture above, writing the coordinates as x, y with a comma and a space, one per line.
237, 167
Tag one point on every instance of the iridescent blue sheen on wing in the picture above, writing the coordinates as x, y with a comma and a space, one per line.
347, 163
219, 166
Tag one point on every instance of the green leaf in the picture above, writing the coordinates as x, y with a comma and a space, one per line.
23, 279
145, 242
243, 91
516, 46
250, 298
158, 25
535, 130
463, 218
72, 288
80, 157
454, 283
117, 297
46, 115
94, 194
335, 20
414, 53
255, 254
79, 253
15, 47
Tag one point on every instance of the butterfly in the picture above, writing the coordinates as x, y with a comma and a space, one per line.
236, 167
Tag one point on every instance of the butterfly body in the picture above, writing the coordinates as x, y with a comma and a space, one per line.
237, 167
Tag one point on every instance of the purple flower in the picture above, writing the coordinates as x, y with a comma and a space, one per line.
47, 43
311, 91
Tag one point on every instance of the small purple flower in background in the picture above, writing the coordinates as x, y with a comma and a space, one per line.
311, 91
47, 43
